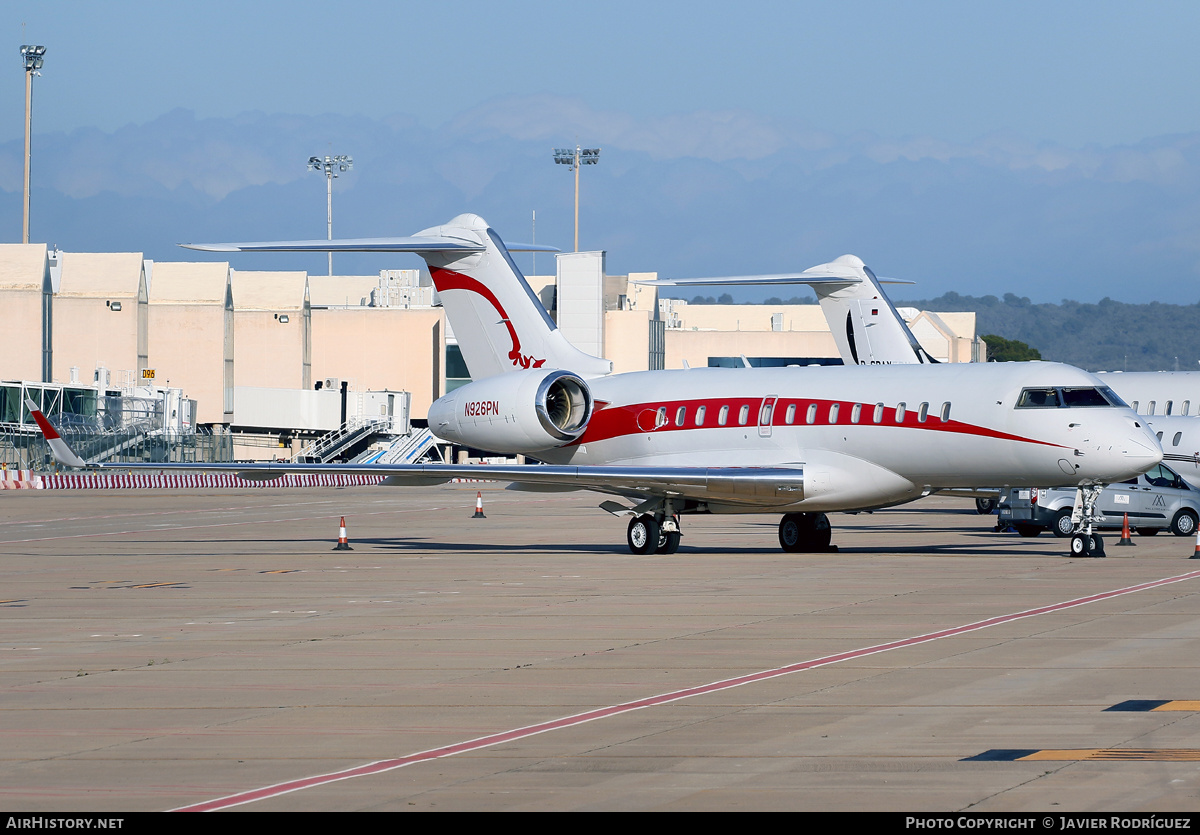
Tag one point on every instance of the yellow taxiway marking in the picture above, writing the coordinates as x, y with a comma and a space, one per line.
1148, 705
1181, 704
1113, 754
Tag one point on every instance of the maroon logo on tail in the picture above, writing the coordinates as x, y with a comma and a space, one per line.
445, 280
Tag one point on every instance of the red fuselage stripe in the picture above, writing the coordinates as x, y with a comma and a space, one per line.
611, 421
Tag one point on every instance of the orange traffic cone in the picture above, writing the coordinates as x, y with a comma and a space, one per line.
479, 506
342, 545
1125, 540
1196, 553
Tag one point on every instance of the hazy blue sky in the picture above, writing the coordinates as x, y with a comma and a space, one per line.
1046, 149
1072, 72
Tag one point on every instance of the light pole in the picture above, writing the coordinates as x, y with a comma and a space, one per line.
330, 166
33, 57
576, 158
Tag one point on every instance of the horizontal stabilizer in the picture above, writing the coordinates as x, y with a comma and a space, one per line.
781, 278
842, 272
421, 244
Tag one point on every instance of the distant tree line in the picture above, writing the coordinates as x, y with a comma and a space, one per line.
1106, 336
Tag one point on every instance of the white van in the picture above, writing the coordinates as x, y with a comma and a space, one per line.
1153, 501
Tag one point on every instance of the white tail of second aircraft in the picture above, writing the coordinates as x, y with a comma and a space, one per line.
498, 321
865, 324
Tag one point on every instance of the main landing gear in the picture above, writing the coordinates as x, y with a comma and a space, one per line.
805, 533
654, 533
1084, 541
654, 529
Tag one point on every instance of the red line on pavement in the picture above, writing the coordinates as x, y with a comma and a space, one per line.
490, 740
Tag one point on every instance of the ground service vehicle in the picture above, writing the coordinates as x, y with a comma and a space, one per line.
1153, 501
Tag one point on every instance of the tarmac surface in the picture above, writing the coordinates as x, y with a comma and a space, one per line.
175, 648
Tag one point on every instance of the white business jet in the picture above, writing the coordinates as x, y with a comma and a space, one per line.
799, 442
869, 330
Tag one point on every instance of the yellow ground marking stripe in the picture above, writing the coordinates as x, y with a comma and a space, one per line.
1182, 704
1115, 754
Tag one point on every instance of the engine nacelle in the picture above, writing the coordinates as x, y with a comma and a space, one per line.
519, 412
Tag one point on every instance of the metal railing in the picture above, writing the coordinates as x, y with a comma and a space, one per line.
330, 444
29, 450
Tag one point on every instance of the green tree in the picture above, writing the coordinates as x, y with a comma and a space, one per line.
1000, 349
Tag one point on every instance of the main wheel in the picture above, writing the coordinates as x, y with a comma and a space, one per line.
791, 533
805, 532
1062, 525
1184, 523
643, 534
669, 543
1148, 531
1081, 545
985, 506
822, 533
1028, 530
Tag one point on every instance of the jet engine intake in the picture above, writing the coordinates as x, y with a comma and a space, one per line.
519, 412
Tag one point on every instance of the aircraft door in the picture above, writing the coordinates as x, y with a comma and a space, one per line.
766, 413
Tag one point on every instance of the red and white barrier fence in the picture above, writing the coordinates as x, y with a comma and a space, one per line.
29, 480
19, 480
119, 481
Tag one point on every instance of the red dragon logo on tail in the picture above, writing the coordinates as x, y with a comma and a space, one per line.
445, 280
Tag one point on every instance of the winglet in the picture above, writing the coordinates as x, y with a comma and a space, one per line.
58, 447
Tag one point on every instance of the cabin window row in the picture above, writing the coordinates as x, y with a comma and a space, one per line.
1168, 408
1174, 441
811, 414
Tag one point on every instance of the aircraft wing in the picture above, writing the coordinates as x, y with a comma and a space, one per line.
752, 485
419, 244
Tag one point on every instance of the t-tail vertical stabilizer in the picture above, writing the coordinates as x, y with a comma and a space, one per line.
865, 324
498, 321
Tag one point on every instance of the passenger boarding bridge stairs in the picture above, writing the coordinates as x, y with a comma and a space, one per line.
409, 449
355, 432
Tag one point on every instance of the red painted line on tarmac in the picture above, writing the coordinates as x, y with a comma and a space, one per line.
491, 740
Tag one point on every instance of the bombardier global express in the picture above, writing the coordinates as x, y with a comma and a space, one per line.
798, 442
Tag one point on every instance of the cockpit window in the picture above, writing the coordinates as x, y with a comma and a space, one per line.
1038, 399
1071, 398
1083, 397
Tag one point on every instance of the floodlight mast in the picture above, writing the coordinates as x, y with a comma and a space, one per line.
33, 57
576, 158
330, 166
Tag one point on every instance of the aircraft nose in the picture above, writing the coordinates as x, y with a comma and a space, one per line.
1142, 447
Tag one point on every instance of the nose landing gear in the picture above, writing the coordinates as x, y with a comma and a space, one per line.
1084, 541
